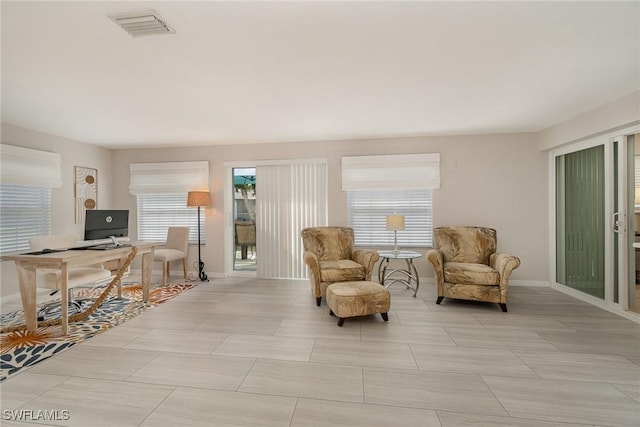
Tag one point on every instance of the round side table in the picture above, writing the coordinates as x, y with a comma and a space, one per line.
407, 276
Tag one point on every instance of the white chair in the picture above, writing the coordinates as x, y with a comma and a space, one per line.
77, 276
177, 248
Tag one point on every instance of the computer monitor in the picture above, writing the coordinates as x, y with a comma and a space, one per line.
106, 223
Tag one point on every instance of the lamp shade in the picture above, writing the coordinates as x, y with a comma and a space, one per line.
395, 222
198, 198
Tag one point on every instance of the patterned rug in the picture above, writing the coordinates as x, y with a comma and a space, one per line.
20, 349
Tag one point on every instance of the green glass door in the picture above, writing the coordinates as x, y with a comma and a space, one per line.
580, 222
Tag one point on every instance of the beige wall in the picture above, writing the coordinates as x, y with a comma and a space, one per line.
73, 153
491, 180
618, 114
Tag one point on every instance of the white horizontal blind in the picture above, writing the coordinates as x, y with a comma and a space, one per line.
289, 197
158, 212
367, 212
25, 212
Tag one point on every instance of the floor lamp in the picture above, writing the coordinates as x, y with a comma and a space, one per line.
199, 198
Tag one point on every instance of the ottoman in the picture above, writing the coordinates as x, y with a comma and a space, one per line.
349, 299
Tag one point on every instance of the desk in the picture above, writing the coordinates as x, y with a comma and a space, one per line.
399, 275
26, 266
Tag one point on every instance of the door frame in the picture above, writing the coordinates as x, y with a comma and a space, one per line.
229, 245
606, 140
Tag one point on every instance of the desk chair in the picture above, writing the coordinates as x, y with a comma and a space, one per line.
176, 248
78, 276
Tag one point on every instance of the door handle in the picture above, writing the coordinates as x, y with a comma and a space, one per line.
617, 224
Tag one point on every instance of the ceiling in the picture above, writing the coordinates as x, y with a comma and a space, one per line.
253, 72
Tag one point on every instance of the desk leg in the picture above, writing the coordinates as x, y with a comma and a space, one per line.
64, 308
27, 282
147, 264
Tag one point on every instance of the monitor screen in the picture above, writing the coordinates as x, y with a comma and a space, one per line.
102, 224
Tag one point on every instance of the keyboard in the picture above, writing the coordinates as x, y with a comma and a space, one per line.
107, 247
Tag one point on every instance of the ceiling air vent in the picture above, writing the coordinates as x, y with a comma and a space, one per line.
143, 24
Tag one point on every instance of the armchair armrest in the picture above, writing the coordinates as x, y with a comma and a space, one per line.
434, 256
505, 264
367, 258
311, 260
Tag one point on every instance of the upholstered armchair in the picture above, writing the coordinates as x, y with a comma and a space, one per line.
331, 258
467, 266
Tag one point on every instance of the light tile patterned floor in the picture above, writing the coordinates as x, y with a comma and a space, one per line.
248, 352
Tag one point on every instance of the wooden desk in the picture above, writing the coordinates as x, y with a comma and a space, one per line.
27, 265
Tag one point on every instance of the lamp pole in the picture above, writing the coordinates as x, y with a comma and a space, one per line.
199, 198
201, 273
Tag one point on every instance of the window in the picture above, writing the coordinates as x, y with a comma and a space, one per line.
158, 212
367, 212
383, 185
25, 212
161, 190
27, 177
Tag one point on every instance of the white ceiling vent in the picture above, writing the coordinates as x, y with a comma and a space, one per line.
143, 24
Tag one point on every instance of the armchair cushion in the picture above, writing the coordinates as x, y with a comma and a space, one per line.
342, 270
470, 274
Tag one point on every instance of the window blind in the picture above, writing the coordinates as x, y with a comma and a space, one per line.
168, 177
25, 212
29, 167
367, 212
158, 212
290, 196
400, 171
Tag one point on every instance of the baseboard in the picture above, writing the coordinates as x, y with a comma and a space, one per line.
531, 283
190, 275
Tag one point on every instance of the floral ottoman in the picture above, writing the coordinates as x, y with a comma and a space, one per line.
361, 298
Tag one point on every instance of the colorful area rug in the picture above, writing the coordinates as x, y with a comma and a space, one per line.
20, 349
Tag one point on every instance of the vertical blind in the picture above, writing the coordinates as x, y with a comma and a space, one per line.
289, 197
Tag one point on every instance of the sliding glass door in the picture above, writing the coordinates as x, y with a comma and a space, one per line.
593, 232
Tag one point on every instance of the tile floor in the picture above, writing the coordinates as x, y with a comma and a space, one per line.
248, 352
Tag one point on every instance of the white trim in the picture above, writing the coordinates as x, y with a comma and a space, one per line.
254, 163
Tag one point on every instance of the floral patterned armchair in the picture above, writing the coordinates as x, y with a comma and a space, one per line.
331, 258
466, 265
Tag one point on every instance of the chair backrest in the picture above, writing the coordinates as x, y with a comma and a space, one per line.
329, 243
245, 232
178, 238
465, 243
54, 241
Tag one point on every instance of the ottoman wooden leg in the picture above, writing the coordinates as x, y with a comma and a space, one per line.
384, 317
340, 321
331, 313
